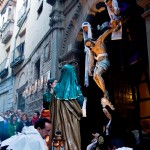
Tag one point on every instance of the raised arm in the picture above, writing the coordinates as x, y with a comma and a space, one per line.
102, 37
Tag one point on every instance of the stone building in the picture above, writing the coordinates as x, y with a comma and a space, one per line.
7, 22
39, 36
25, 42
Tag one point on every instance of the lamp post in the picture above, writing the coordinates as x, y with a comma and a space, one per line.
58, 142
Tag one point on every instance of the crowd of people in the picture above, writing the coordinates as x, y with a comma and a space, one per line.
13, 121
65, 114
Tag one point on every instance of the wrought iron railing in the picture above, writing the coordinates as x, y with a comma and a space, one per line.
7, 31
17, 55
4, 68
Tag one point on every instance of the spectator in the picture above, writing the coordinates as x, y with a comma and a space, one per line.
18, 113
35, 117
3, 127
7, 115
47, 98
12, 125
24, 122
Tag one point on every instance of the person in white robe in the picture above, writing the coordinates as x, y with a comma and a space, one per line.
31, 137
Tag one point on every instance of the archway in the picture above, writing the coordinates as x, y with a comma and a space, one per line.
21, 87
127, 58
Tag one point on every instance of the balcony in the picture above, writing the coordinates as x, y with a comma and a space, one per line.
17, 56
7, 31
4, 68
22, 14
4, 3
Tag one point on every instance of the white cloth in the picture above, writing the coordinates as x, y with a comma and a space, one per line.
86, 75
29, 139
92, 145
137, 136
86, 35
107, 127
100, 55
116, 35
113, 14
1, 118
124, 148
84, 107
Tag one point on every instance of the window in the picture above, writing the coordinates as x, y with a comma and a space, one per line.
3, 21
20, 98
47, 52
21, 101
20, 48
3, 102
37, 70
25, 4
40, 9
9, 13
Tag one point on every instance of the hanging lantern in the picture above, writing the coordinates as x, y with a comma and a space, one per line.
58, 142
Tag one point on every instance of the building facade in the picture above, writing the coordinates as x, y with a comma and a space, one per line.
25, 43
7, 24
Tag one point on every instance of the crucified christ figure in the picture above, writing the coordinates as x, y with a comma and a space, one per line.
98, 50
